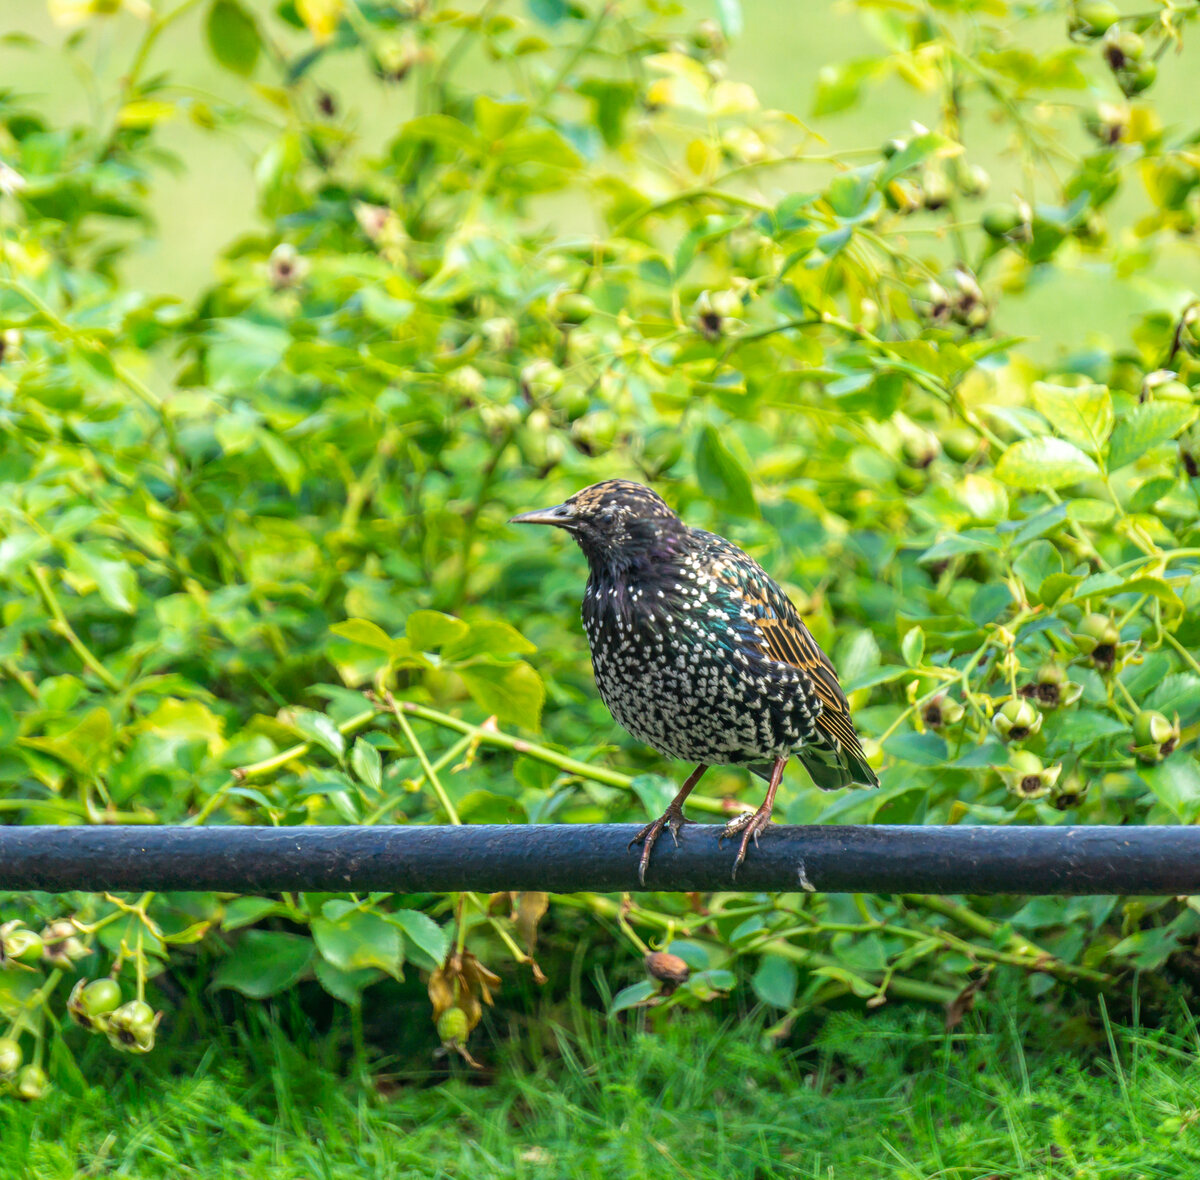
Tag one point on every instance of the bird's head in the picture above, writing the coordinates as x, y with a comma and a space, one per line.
615, 522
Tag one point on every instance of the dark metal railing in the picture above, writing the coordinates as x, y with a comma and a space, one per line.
569, 858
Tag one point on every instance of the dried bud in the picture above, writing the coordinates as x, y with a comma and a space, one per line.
1017, 720
373, 220
286, 268
1097, 636
10, 343
132, 1026
1026, 777
1052, 688
942, 711
1154, 737
63, 948
712, 309
1108, 122
1122, 48
669, 969
1069, 792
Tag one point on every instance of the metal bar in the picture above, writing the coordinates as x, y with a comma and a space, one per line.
569, 858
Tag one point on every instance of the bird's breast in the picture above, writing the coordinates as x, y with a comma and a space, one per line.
672, 666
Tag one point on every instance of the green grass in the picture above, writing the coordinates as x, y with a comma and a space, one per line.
891, 1094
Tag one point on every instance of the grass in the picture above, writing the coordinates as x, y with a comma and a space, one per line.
890, 1094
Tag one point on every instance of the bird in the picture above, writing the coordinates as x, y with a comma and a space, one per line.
698, 653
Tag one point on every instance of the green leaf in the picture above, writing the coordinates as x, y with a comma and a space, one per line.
912, 646
775, 981
721, 476
245, 911
430, 940
863, 988
1176, 783
488, 638
82, 747
494, 119
1035, 563
1145, 426
367, 764
512, 692
115, 581
1081, 728
1081, 414
921, 749
320, 730
1035, 463
631, 996
232, 36
429, 630
346, 986
366, 634
358, 939
284, 459
264, 963
729, 15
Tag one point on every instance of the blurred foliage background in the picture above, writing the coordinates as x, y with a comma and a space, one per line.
416, 269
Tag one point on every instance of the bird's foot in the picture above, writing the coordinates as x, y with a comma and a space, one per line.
749, 824
672, 819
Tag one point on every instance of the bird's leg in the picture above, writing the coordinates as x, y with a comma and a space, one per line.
672, 819
757, 821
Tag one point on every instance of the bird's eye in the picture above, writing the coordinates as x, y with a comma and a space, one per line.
608, 516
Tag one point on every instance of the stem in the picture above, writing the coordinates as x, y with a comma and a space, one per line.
990, 930
423, 758
64, 628
270, 765
488, 735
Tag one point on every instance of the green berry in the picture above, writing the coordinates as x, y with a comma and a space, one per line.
1001, 220
661, 450
1093, 18
10, 1058
32, 1083
540, 378
1136, 78
20, 945
571, 402
595, 433
453, 1026
1154, 737
571, 308
91, 1001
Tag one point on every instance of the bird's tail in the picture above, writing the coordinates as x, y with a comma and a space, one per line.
832, 764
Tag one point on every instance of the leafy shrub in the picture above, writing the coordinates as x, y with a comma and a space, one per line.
223, 521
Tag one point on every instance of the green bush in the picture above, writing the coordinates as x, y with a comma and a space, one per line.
588, 252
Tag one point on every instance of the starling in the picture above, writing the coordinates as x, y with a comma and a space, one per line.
698, 653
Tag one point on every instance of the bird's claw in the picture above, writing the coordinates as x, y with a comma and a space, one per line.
672, 819
750, 824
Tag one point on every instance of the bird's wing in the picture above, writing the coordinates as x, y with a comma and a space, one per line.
785, 638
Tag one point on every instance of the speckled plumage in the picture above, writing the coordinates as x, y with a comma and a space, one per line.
698, 653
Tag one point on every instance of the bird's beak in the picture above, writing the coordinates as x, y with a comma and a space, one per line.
561, 515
